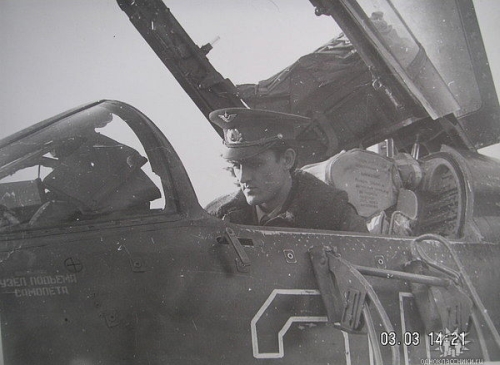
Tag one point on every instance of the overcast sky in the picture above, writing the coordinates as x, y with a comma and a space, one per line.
57, 54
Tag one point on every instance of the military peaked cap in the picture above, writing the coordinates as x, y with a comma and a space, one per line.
248, 132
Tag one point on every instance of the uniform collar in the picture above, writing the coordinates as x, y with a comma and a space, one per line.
261, 215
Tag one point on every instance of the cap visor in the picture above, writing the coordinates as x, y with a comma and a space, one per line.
243, 153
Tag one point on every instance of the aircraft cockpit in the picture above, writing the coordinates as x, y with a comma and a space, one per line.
85, 165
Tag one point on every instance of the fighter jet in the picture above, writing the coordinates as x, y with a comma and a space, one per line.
107, 257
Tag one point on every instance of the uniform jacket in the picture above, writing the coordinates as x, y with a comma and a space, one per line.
310, 204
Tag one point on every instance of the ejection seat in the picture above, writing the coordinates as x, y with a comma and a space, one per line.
378, 187
102, 176
92, 175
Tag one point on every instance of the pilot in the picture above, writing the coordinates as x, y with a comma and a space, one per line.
259, 145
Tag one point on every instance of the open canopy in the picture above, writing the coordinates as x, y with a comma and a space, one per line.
415, 71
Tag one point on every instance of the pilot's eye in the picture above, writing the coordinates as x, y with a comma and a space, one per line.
254, 164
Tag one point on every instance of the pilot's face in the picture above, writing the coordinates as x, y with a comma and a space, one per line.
262, 178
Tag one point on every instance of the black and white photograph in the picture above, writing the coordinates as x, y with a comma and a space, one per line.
249, 182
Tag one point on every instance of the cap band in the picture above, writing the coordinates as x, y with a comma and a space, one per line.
261, 141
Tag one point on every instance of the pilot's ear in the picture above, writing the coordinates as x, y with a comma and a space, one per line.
289, 158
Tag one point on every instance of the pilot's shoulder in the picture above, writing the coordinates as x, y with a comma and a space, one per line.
326, 205
313, 187
223, 204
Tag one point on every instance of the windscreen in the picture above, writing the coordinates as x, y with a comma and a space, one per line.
89, 165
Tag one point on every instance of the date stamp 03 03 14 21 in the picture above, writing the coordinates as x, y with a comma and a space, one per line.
449, 343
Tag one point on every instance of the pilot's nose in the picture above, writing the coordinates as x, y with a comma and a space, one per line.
243, 174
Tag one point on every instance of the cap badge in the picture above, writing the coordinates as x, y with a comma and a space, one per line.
234, 136
227, 117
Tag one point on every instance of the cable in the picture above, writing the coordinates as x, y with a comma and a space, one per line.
468, 283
